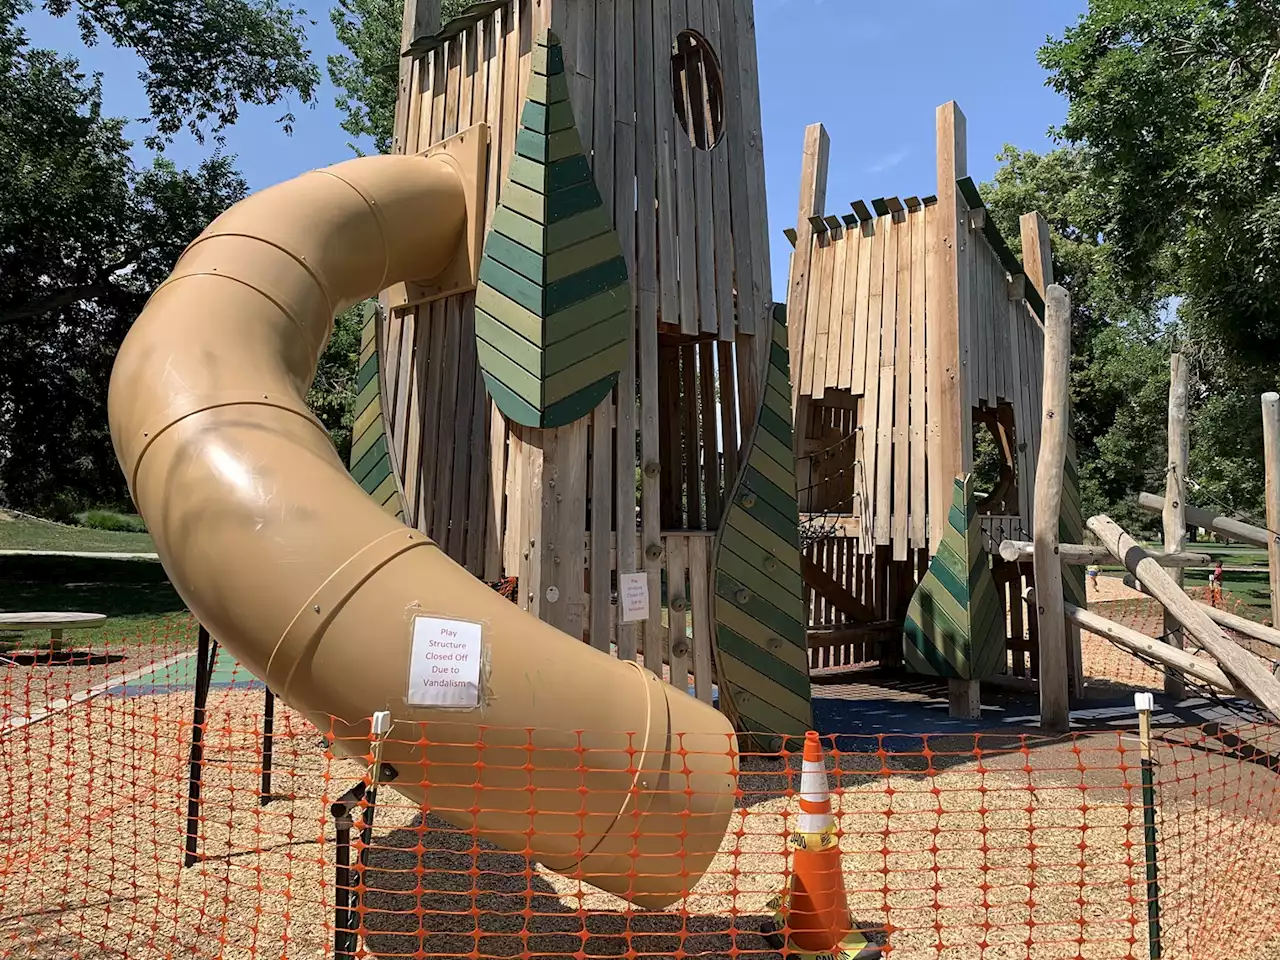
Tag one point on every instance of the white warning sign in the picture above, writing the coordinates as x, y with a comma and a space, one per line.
633, 589
445, 666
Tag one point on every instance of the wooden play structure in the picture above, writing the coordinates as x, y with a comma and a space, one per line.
913, 325
601, 412
611, 396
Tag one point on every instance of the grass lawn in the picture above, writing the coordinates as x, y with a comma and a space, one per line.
134, 594
22, 534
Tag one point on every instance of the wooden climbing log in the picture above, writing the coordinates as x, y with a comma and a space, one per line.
1175, 501
1055, 703
1139, 643
1250, 628
1199, 517
1246, 670
1078, 554
1271, 468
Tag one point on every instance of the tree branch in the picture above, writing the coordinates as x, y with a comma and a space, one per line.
52, 301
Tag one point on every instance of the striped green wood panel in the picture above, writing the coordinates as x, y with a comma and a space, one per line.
370, 459
553, 304
955, 623
761, 650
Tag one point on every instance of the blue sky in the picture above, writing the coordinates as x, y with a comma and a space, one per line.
872, 72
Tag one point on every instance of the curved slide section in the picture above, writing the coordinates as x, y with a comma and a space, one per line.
318, 591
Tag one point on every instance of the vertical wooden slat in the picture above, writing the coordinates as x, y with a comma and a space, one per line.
948, 397
677, 621
685, 198
884, 420
813, 198
816, 311
511, 83
864, 330
511, 546
728, 413
668, 435
602, 94
633, 161
735, 150
722, 240
459, 422
688, 407
757, 319
700, 604
441, 452
842, 352
707, 415
665, 136
703, 187
902, 391
495, 531
919, 373
564, 520
830, 376
650, 463
601, 508
1022, 425
876, 317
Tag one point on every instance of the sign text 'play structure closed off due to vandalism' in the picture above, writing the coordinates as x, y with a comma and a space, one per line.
445, 666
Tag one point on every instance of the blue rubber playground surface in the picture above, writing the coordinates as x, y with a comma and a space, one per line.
180, 676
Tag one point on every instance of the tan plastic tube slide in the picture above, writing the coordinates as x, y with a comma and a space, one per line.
314, 589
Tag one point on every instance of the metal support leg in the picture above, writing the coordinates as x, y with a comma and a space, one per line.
346, 900
206, 654
268, 735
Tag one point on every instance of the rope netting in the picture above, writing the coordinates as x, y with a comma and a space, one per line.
1001, 845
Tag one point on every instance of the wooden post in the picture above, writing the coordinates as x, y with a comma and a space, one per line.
950, 421
1243, 667
1175, 506
1271, 465
813, 200
1055, 709
1037, 256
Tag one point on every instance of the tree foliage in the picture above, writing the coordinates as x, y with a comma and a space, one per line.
368, 78
1177, 104
1163, 204
86, 234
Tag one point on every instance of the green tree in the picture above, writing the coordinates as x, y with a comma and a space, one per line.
86, 234
368, 78
333, 392
1177, 104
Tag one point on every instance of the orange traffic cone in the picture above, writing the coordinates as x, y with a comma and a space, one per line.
811, 918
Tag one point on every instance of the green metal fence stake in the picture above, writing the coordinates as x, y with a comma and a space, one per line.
1145, 703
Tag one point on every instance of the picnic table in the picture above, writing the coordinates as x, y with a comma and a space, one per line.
55, 623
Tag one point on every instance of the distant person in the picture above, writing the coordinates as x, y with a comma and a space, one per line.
1215, 585
1092, 570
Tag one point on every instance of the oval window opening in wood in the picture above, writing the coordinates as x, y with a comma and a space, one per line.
698, 89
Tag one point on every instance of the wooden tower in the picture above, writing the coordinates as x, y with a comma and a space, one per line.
913, 329
588, 411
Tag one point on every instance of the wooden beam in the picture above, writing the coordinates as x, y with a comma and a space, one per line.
948, 427
1175, 502
831, 591
1271, 468
1140, 643
1209, 520
1250, 628
1055, 706
813, 200
1037, 257
1079, 555
1245, 669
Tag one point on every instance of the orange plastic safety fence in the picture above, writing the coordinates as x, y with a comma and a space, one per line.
956, 846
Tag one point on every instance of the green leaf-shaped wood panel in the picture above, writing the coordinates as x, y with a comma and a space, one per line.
553, 304
955, 623
761, 647
370, 459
